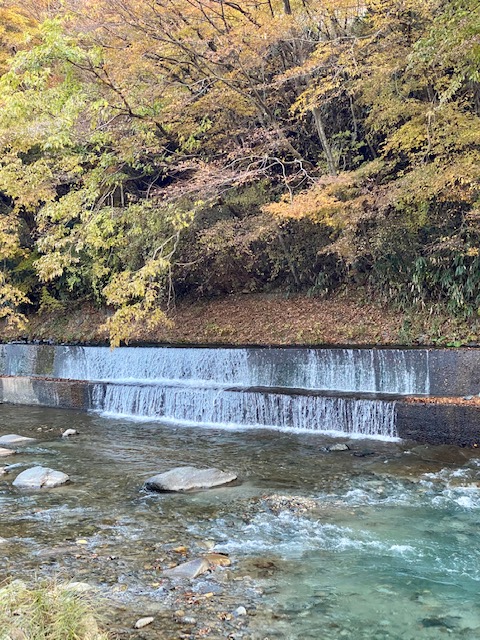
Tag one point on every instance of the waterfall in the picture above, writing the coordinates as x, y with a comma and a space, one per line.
18, 359
399, 372
197, 366
282, 388
229, 408
18, 391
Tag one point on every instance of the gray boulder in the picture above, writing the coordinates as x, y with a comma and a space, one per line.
13, 438
188, 479
39, 478
339, 446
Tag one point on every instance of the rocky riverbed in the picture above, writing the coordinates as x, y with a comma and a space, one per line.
373, 540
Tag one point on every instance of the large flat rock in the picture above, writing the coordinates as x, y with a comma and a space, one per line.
188, 479
6, 452
13, 438
40, 478
188, 570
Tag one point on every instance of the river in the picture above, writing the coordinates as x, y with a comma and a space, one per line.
387, 545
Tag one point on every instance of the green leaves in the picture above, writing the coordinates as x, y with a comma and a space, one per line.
71, 149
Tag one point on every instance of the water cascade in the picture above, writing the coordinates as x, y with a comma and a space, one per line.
342, 390
394, 371
350, 370
230, 408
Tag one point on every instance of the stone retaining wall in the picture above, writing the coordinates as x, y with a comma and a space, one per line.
432, 423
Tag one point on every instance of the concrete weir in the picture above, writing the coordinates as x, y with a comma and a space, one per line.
45, 392
415, 394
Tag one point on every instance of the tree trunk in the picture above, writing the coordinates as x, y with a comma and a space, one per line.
332, 168
287, 8
288, 258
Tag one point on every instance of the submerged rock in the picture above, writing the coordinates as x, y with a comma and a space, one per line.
363, 453
446, 622
6, 452
40, 477
295, 504
218, 559
189, 478
188, 570
59, 550
443, 453
13, 438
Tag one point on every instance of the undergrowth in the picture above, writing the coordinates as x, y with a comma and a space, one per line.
48, 611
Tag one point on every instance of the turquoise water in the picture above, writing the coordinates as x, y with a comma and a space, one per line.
389, 547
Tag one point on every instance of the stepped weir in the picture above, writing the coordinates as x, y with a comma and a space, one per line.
340, 391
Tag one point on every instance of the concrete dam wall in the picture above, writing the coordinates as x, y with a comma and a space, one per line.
354, 392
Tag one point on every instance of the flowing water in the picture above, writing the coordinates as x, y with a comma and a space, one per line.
294, 389
397, 371
230, 409
389, 550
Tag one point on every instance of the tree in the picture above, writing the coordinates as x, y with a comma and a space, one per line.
121, 121
65, 132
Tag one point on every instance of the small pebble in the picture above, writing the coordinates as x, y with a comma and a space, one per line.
240, 611
143, 622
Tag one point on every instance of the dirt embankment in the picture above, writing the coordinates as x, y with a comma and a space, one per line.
263, 319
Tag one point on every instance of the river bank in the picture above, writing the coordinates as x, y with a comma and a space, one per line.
342, 319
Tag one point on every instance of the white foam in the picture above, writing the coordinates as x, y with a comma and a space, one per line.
225, 409
291, 536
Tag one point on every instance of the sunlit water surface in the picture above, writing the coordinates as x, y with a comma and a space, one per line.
392, 551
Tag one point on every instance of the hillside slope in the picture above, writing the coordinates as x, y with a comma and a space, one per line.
263, 319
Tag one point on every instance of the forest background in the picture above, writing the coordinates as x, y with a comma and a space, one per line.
162, 152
